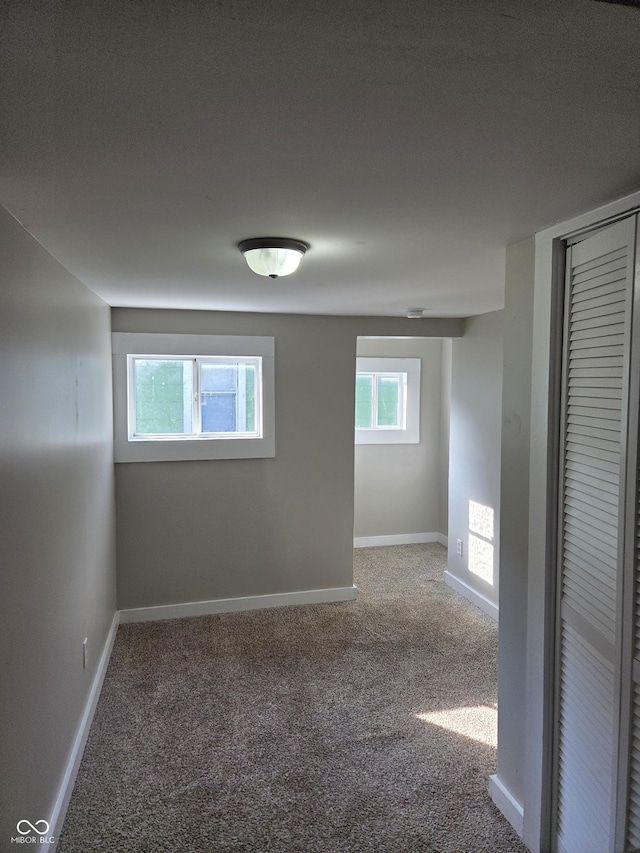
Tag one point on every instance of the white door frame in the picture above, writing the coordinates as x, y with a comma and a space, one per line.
541, 593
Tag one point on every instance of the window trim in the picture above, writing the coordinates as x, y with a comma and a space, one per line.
165, 448
410, 433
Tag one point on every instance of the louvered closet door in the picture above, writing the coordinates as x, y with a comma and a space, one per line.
595, 390
633, 590
633, 831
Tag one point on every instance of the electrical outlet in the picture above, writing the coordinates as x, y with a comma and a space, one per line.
85, 659
459, 547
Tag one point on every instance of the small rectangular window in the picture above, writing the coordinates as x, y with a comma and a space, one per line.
194, 397
380, 400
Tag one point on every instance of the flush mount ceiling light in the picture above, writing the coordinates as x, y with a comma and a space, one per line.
273, 256
415, 313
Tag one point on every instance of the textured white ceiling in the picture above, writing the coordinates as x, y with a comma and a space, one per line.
408, 142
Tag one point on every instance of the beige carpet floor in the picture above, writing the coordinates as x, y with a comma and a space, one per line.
335, 728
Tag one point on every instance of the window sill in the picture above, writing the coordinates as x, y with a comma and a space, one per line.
181, 450
388, 436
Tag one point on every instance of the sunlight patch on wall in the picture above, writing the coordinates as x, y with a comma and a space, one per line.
479, 723
481, 520
481, 532
481, 558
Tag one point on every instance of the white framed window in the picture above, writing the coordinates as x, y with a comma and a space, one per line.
381, 400
182, 397
387, 404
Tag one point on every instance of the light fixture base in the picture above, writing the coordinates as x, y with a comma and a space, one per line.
273, 243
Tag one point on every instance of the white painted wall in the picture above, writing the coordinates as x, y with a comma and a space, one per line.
397, 486
514, 515
57, 520
474, 457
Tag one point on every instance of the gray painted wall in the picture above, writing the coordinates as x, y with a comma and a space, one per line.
514, 513
190, 531
445, 426
57, 522
397, 486
474, 458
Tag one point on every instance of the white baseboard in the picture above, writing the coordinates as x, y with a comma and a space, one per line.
472, 595
71, 770
398, 539
507, 803
234, 605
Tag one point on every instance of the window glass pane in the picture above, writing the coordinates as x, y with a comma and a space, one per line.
218, 412
388, 401
164, 394
219, 377
250, 399
364, 394
228, 397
